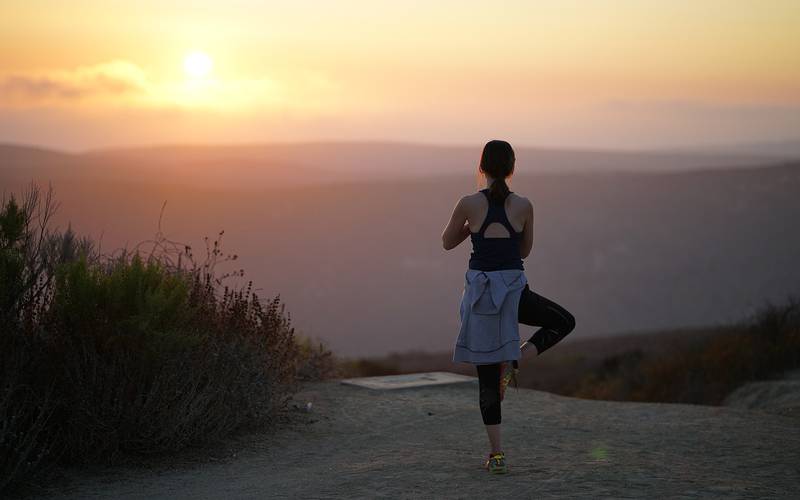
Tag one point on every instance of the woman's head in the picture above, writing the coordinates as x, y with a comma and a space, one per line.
497, 162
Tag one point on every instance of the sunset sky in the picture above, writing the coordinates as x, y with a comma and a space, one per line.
582, 73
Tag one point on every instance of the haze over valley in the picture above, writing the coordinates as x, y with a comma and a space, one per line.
349, 233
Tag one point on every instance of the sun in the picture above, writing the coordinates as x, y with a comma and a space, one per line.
197, 64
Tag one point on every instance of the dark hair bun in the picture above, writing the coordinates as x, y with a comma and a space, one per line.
497, 160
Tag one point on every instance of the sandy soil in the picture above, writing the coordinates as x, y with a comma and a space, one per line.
430, 443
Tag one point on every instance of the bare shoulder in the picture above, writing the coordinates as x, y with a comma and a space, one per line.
473, 196
471, 200
521, 202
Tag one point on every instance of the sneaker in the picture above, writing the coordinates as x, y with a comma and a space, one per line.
507, 374
497, 463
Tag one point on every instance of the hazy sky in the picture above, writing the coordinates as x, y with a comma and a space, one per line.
631, 74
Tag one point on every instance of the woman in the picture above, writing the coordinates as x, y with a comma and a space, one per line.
496, 294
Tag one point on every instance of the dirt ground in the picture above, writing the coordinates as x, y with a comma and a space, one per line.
430, 443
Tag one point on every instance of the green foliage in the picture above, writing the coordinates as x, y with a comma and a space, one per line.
12, 263
132, 305
317, 361
29, 253
130, 354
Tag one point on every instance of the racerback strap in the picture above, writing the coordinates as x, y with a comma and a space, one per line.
496, 213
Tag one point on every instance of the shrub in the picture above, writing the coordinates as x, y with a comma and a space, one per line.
704, 372
109, 355
615, 379
316, 360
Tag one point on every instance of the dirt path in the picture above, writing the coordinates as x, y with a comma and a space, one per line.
430, 443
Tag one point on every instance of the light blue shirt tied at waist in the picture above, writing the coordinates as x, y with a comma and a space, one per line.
489, 316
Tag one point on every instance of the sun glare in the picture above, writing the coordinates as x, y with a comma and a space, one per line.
197, 64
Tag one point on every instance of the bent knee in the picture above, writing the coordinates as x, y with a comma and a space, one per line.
570, 322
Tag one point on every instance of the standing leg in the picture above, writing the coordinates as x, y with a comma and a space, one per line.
489, 401
555, 321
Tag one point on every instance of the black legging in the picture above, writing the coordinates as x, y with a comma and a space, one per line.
534, 310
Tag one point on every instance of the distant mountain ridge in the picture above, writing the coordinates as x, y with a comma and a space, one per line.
787, 149
359, 262
325, 162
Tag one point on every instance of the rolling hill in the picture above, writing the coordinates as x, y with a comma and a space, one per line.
356, 252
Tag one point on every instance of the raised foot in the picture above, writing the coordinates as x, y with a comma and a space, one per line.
508, 373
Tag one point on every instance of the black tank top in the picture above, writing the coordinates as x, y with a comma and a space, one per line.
493, 254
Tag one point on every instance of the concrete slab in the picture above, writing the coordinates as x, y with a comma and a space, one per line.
408, 380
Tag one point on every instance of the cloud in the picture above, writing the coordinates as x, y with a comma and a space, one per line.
123, 84
111, 79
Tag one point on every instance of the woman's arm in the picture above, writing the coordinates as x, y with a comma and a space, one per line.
526, 244
457, 229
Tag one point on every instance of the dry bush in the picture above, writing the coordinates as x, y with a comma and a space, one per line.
707, 370
133, 352
316, 360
